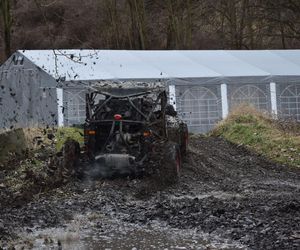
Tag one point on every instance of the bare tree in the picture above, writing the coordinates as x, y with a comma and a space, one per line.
150, 24
113, 17
138, 23
7, 24
180, 23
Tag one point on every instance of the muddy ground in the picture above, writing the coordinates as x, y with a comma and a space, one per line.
227, 198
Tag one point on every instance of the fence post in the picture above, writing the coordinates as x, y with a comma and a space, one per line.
273, 99
224, 99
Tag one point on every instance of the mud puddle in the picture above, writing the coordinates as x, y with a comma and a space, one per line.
95, 231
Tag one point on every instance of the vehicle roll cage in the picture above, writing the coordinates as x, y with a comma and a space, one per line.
149, 120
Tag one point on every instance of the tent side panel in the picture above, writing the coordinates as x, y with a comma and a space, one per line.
23, 102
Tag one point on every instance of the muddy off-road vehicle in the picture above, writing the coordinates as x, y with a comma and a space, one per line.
133, 130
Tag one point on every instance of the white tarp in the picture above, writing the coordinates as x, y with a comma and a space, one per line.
49, 86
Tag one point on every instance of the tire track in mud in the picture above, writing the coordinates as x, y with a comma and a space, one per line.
252, 199
226, 163
225, 191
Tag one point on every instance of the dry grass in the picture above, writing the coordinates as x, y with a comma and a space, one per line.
260, 132
15, 144
25, 155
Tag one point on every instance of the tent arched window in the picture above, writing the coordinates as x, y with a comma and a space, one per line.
199, 106
289, 101
74, 106
250, 94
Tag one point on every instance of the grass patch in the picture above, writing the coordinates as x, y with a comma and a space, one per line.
258, 131
64, 133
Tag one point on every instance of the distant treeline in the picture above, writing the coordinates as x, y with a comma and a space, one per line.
149, 24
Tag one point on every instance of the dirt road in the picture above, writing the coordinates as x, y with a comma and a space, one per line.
227, 198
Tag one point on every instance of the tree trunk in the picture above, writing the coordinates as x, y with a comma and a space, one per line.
282, 33
138, 29
7, 23
189, 25
111, 7
243, 18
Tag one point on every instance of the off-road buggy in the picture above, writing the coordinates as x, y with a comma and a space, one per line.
134, 131
129, 130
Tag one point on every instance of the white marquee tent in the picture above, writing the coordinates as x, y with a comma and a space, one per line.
203, 85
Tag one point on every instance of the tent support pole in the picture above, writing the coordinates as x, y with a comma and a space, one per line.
224, 99
60, 105
273, 99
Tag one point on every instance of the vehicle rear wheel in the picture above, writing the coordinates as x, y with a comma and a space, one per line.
170, 164
184, 140
71, 154
64, 165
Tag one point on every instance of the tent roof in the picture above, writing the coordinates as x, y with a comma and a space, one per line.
83, 65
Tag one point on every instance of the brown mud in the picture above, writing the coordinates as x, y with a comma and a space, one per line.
226, 198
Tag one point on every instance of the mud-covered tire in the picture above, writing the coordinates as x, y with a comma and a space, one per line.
71, 154
184, 140
178, 133
64, 165
170, 163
